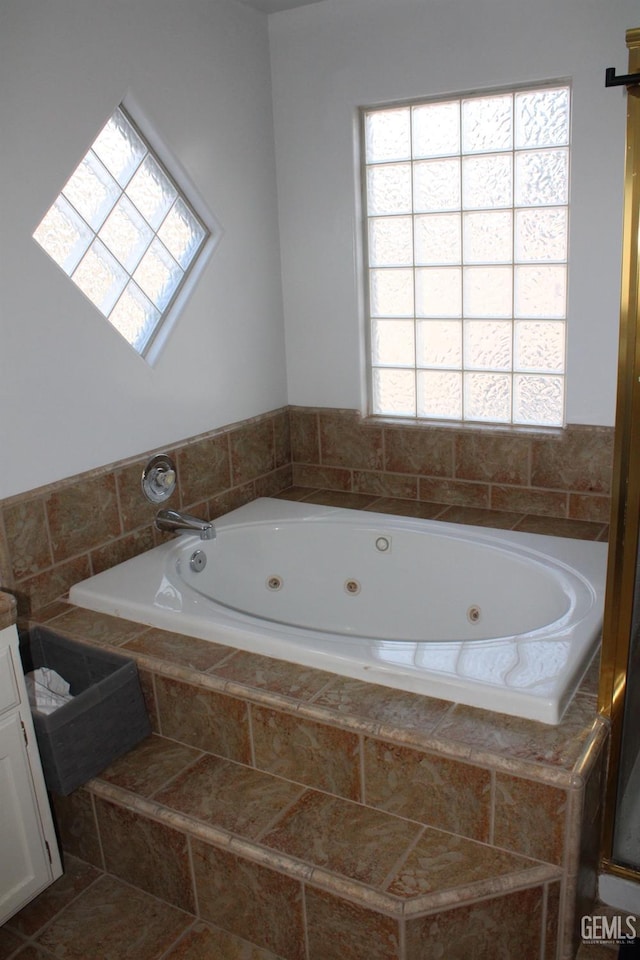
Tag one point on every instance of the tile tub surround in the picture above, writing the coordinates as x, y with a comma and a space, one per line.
56, 535
323, 818
548, 473
553, 481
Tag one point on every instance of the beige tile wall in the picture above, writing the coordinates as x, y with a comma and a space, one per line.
553, 473
53, 536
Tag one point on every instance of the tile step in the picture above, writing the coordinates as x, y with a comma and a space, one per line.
371, 858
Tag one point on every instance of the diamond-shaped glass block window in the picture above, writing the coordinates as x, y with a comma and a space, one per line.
124, 232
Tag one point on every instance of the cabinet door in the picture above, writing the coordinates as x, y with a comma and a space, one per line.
25, 867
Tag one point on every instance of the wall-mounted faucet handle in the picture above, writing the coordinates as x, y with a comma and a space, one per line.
159, 478
166, 478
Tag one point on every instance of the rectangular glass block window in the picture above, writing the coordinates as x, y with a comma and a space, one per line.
466, 232
124, 232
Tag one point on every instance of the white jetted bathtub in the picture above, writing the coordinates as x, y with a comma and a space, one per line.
496, 619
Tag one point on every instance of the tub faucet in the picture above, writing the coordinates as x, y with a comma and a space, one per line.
173, 521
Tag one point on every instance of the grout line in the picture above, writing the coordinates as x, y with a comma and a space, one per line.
361, 765
210, 671
543, 921
492, 808
402, 938
305, 923
277, 817
323, 689
94, 810
319, 436
33, 938
402, 858
155, 704
252, 747
116, 485
192, 875
169, 952
166, 783
47, 527
230, 472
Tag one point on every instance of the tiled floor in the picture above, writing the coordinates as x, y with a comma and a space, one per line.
89, 915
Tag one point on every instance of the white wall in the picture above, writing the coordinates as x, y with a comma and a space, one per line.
331, 57
73, 395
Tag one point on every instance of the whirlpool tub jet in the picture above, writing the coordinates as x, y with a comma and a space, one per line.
496, 619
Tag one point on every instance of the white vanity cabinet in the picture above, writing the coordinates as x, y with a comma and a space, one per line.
29, 857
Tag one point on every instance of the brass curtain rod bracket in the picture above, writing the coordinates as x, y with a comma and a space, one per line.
628, 80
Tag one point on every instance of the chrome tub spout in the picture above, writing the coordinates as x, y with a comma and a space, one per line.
172, 521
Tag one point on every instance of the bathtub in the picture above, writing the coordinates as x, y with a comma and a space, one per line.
496, 619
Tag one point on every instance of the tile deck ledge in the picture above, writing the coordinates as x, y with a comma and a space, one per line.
550, 754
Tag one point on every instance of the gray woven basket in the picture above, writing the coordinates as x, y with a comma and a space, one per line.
105, 718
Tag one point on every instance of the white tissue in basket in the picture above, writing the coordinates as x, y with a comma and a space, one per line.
47, 690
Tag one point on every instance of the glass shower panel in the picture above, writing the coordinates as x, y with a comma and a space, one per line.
626, 837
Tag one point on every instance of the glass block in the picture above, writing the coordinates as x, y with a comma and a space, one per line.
540, 345
440, 394
488, 292
92, 191
126, 233
391, 293
437, 238
487, 344
135, 317
152, 192
438, 292
388, 135
487, 397
394, 392
439, 343
64, 235
436, 129
487, 182
542, 178
181, 233
542, 118
540, 291
538, 400
158, 275
100, 277
390, 241
436, 185
100, 235
541, 233
389, 189
488, 237
120, 148
393, 342
487, 124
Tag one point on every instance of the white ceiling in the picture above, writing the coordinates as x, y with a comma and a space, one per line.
273, 6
